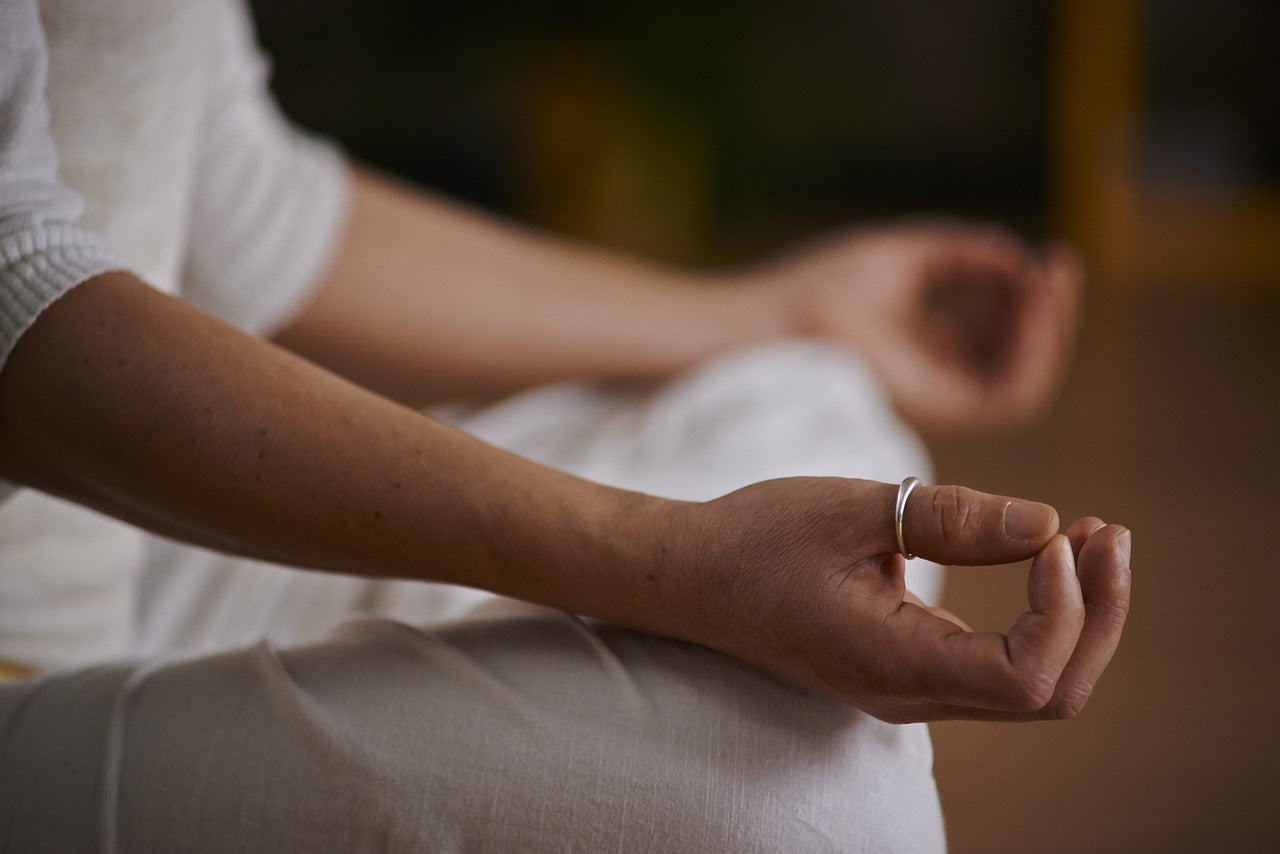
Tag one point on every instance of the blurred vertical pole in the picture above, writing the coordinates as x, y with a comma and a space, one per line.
1096, 79
1096, 98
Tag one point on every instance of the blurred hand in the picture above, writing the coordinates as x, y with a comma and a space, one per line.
967, 328
802, 577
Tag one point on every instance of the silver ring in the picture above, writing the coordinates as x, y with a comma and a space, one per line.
900, 508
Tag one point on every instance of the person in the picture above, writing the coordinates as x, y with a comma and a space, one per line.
660, 668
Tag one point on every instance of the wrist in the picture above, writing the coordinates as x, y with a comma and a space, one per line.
748, 308
585, 548
641, 574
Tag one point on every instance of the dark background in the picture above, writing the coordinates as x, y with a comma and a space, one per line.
1146, 132
772, 116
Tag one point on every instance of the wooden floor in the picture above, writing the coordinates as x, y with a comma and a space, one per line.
1170, 424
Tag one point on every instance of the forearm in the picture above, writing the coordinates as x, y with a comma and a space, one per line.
142, 407
427, 300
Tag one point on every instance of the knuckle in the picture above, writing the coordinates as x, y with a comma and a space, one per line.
1032, 691
1070, 702
957, 510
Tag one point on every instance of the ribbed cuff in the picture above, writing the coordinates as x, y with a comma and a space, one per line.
39, 265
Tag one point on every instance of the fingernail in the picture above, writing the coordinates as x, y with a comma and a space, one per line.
1025, 520
1124, 545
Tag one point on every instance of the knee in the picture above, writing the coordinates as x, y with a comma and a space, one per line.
542, 733
674, 747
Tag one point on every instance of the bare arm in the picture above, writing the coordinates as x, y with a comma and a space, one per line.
966, 325
140, 406
429, 300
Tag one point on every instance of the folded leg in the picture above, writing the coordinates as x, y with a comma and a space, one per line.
518, 729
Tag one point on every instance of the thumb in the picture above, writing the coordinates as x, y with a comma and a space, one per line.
957, 525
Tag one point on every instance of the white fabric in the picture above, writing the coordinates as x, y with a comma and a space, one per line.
125, 99
68, 581
527, 731
268, 201
42, 252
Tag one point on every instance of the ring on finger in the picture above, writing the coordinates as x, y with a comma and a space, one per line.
899, 510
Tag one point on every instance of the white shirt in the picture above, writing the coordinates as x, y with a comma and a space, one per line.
137, 134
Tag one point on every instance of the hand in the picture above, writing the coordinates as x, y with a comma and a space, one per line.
966, 327
802, 577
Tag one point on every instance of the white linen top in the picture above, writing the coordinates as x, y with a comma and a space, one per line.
140, 135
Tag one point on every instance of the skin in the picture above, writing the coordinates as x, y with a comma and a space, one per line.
969, 329
139, 405
427, 300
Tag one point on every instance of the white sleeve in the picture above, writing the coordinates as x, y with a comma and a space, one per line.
42, 252
269, 201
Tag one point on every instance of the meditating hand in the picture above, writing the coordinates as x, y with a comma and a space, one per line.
966, 326
803, 577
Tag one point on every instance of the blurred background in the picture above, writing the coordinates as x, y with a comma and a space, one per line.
1148, 133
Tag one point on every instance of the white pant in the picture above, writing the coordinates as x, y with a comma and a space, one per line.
487, 724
